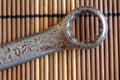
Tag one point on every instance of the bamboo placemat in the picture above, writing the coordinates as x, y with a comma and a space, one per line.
20, 18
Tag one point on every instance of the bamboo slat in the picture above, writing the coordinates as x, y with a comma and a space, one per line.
69, 70
21, 18
97, 48
4, 33
18, 33
78, 55
0, 31
87, 37
115, 41
82, 37
118, 6
55, 54
64, 71
27, 32
32, 31
37, 67
46, 58
92, 51
13, 34
41, 21
50, 23
73, 58
106, 46
110, 37
22, 2
101, 48
60, 68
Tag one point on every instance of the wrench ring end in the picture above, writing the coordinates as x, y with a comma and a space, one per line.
74, 14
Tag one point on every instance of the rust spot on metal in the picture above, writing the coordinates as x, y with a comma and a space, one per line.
3, 58
9, 56
17, 52
64, 44
45, 48
24, 45
55, 31
8, 49
6, 52
35, 39
23, 50
1, 46
57, 37
29, 49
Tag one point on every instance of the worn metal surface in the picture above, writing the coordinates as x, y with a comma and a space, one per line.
56, 38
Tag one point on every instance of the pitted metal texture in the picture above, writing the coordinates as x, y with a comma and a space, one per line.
56, 38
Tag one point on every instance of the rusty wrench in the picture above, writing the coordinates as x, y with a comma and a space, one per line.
56, 38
